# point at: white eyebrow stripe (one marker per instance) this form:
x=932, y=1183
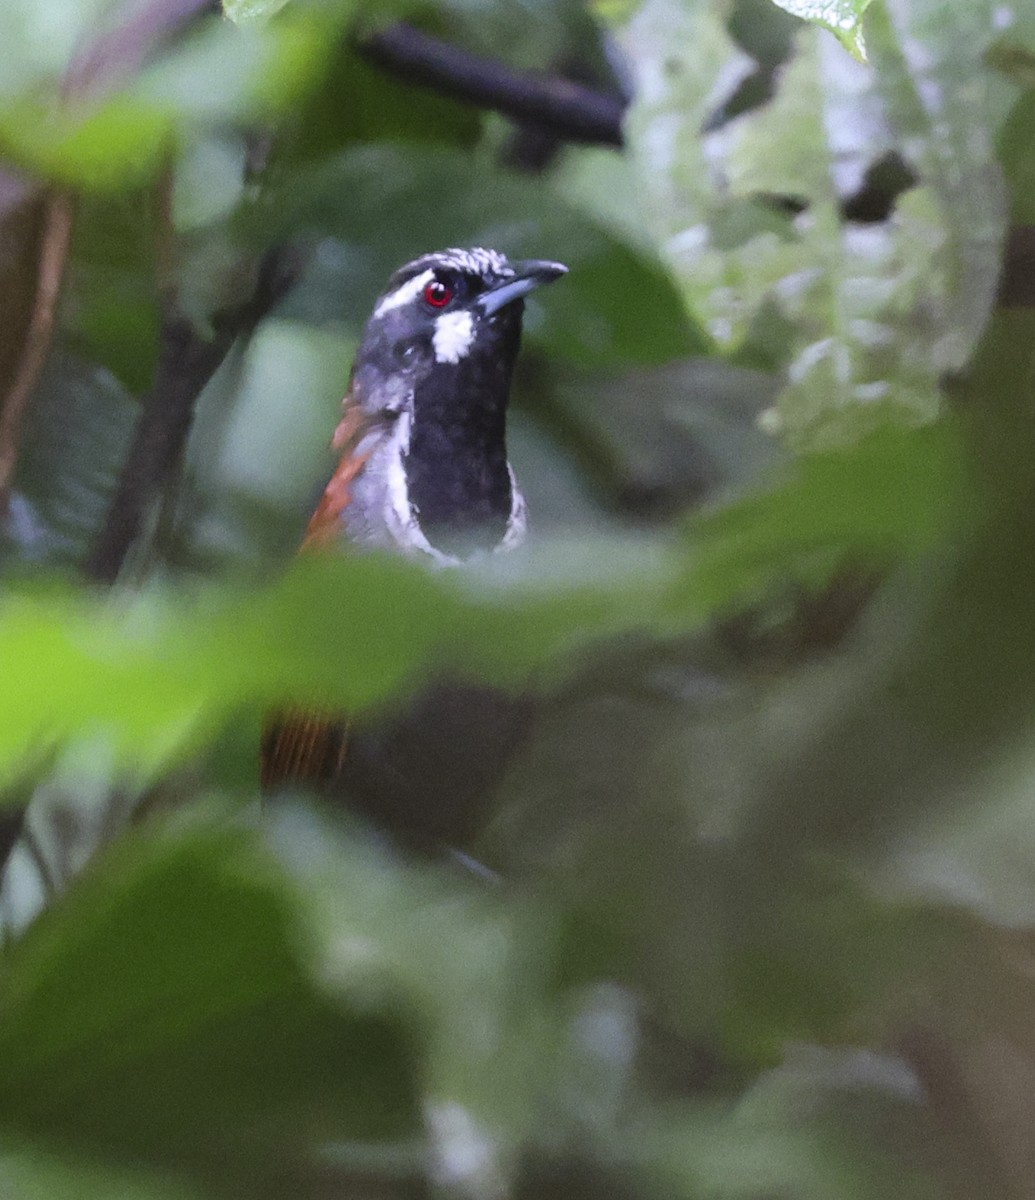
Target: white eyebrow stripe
x=406, y=292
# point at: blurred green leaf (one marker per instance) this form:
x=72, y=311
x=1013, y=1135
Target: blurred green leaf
x=349, y=632
x=38, y=38
x=77, y=432
x=663, y=437
x=894, y=494
x=112, y=290
x=216, y=74
x=221, y=72
x=477, y=969
x=120, y=144
x=1017, y=158
x=782, y=1138
x=32, y=1175
x=259, y=454
x=354, y=101
x=165, y=1012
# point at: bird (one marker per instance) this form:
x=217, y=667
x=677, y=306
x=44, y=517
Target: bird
x=423, y=469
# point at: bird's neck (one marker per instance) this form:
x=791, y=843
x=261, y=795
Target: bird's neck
x=456, y=467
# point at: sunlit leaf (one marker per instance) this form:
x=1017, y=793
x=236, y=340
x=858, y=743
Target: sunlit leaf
x=242, y=11
x=842, y=17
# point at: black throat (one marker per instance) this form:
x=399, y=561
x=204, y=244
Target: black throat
x=456, y=469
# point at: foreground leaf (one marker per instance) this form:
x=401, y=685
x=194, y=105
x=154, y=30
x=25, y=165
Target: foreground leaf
x=164, y=1012
x=158, y=673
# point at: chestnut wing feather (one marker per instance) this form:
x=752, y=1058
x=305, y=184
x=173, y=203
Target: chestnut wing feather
x=325, y=525
x=298, y=745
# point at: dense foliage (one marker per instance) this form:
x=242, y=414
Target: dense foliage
x=749, y=915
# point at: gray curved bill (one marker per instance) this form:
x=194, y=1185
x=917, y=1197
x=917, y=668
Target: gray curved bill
x=528, y=275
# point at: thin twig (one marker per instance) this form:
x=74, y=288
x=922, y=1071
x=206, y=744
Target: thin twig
x=54, y=246
x=117, y=54
x=572, y=111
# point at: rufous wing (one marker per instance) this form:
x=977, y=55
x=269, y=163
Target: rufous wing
x=325, y=525
x=300, y=746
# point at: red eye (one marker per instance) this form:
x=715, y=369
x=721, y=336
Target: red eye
x=437, y=294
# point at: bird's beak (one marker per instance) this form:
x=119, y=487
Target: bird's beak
x=528, y=275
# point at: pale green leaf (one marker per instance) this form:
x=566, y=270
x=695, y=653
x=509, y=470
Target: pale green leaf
x=842, y=17
x=866, y=318
x=242, y=11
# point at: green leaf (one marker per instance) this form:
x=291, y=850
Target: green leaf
x=842, y=17
x=242, y=11
x=32, y=1174
x=159, y=673
x=120, y=144
x=254, y=462
x=869, y=317
x=477, y=969
x=355, y=101
x=892, y=495
x=165, y=1012
x=218, y=74
x=1018, y=160
x=111, y=294
x=77, y=433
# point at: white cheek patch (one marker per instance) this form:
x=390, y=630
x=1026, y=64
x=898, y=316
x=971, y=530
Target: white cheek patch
x=454, y=333
x=406, y=292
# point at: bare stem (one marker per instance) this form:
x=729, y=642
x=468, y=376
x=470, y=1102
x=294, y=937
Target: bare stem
x=54, y=246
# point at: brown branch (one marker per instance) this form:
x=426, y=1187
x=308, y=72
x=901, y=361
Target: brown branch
x=570, y=110
x=54, y=247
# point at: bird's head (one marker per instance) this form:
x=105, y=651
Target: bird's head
x=448, y=310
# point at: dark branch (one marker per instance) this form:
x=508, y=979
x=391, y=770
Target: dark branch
x=1017, y=283
x=12, y=821
x=572, y=111
x=186, y=362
